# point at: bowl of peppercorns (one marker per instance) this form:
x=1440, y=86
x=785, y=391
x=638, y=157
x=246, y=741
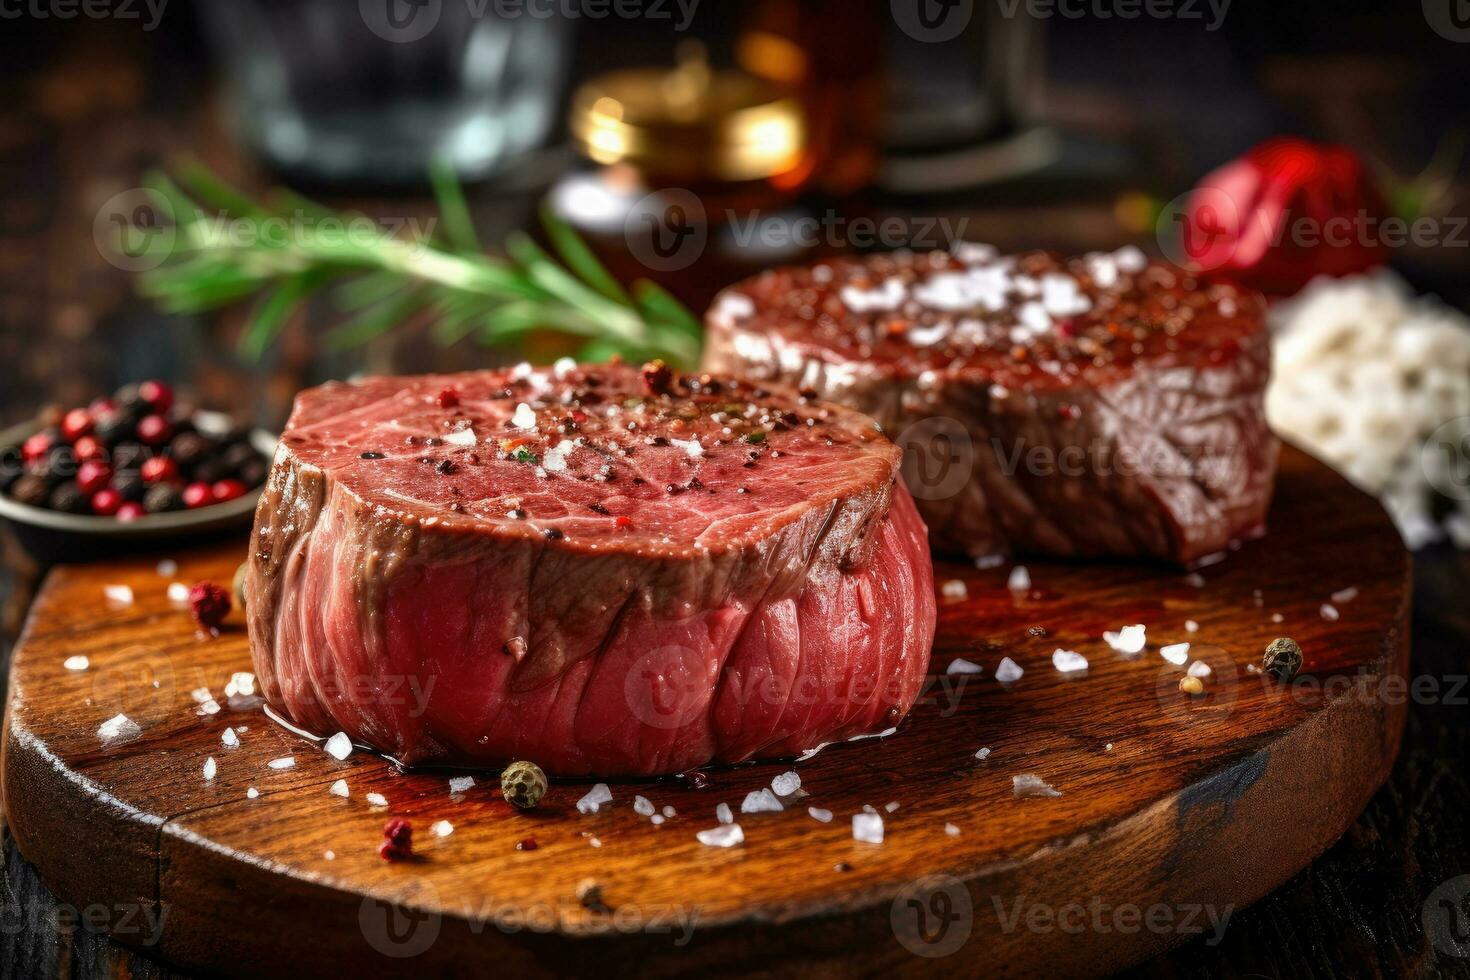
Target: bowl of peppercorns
x=128, y=470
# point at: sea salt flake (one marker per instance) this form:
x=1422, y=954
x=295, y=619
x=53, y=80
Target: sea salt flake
x=524, y=417
x=118, y=728
x=464, y=438
x=761, y=801
x=819, y=815
x=1009, y=671
x=1277, y=618
x=339, y=746
x=210, y=768
x=461, y=784
x=989, y=561
x=867, y=827
x=891, y=806
x=643, y=806
x=1199, y=669
x=691, y=447
x=657, y=819
x=595, y=841
x=1190, y=626
x=960, y=665
x=441, y=828
x=1020, y=579
x=786, y=784
x=1028, y=784
x=376, y=799
x=594, y=799
x=725, y=835
x=1068, y=661
x=330, y=855
x=1128, y=640
x=955, y=590
x=178, y=593
x=951, y=830
x=240, y=682
x=339, y=788
x=669, y=812
x=563, y=367
x=285, y=762
x=251, y=793
x=1175, y=653
x=1330, y=613
x=76, y=663
x=983, y=754
x=723, y=814
x=229, y=739
x=120, y=595
x=167, y=568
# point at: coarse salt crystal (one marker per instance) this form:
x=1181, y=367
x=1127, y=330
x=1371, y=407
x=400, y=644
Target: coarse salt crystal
x=464, y=438
x=441, y=828
x=339, y=746
x=210, y=707
x=121, y=595
x=1175, y=653
x=76, y=663
x=891, y=806
x=723, y=814
x=210, y=768
x=1199, y=669
x=691, y=447
x=178, y=593
x=983, y=753
x=1277, y=618
x=240, y=682
x=955, y=590
x=1020, y=579
x=1068, y=661
x=1009, y=671
x=524, y=417
x=251, y=793
x=167, y=568
x=1330, y=613
x=959, y=665
x=1028, y=784
x=1190, y=626
x=376, y=799
x=819, y=815
x=990, y=561
x=786, y=784
x=657, y=819
x=594, y=799
x=643, y=806
x=669, y=812
x=339, y=788
x=867, y=827
x=461, y=784
x=594, y=841
x=563, y=367
x=1108, y=747
x=725, y=835
x=951, y=830
x=761, y=801
x=285, y=762
x=118, y=728
x=330, y=855
x=229, y=739
x=1128, y=640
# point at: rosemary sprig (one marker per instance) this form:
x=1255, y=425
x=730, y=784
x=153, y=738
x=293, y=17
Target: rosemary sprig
x=223, y=248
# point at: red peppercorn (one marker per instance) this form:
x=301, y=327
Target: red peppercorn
x=656, y=377
x=101, y=407
x=75, y=424
x=210, y=605
x=159, y=396
x=227, y=490
x=397, y=840
x=130, y=511
x=88, y=447
x=106, y=502
x=623, y=522
x=198, y=495
x=93, y=475
x=448, y=398
x=154, y=429
x=35, y=447
x=527, y=844
x=160, y=469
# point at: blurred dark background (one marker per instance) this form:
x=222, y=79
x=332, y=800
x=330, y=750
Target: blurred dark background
x=1077, y=126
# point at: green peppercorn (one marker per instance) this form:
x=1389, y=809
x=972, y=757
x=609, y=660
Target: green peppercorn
x=1283, y=658
x=523, y=784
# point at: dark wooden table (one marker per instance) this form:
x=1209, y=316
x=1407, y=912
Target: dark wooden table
x=92, y=106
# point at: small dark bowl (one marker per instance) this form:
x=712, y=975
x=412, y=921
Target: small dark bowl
x=52, y=537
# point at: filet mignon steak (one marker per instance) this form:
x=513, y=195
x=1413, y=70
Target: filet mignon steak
x=1103, y=405
x=601, y=570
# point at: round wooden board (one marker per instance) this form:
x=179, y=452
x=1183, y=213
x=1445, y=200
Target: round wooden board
x=1175, y=810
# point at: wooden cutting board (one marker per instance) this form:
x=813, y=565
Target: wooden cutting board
x=1175, y=810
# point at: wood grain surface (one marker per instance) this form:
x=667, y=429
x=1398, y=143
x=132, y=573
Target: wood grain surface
x=1200, y=806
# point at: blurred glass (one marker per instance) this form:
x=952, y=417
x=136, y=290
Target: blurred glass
x=368, y=92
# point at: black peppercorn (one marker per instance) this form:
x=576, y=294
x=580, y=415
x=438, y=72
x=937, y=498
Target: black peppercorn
x=129, y=455
x=523, y=784
x=1283, y=658
x=189, y=448
x=69, y=499
x=130, y=404
x=112, y=429
x=129, y=484
x=163, y=497
x=30, y=489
